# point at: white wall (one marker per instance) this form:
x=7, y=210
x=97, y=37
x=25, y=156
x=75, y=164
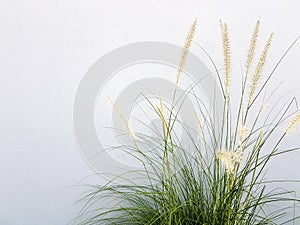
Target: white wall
x=46, y=46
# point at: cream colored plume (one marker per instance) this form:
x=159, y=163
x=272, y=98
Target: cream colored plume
x=227, y=57
x=259, y=67
x=251, y=51
x=122, y=117
x=293, y=123
x=185, y=52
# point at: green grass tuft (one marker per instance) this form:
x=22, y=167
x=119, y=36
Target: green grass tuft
x=218, y=178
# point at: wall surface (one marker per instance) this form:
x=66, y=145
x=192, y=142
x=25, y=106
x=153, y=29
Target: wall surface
x=46, y=46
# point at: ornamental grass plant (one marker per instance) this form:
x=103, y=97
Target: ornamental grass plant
x=219, y=178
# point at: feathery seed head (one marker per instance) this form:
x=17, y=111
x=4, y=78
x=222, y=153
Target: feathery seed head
x=122, y=117
x=185, y=52
x=293, y=123
x=227, y=158
x=242, y=131
x=227, y=57
x=251, y=51
x=238, y=155
x=259, y=67
x=231, y=159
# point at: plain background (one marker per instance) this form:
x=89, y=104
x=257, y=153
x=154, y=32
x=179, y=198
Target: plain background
x=46, y=46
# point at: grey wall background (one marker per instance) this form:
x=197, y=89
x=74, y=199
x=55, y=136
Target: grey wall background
x=47, y=46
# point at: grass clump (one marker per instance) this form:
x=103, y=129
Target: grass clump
x=219, y=177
